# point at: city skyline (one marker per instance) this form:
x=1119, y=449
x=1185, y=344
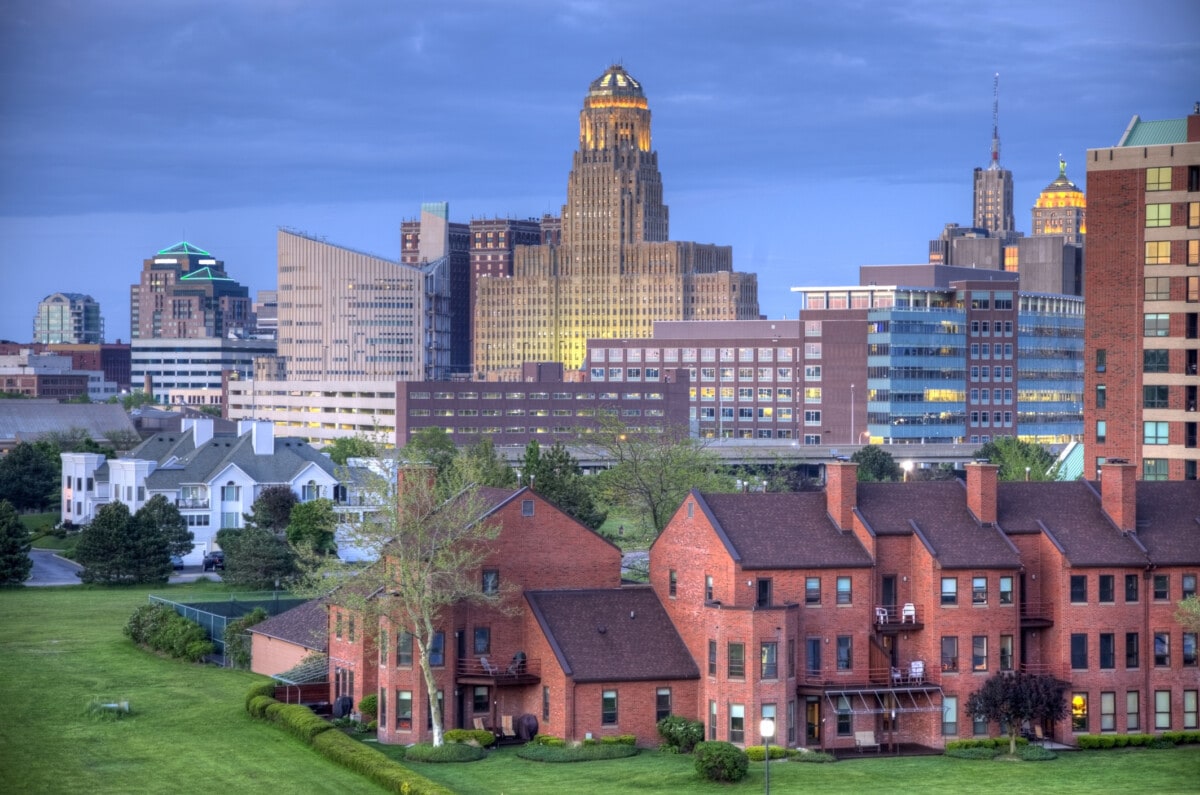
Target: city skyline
x=855, y=137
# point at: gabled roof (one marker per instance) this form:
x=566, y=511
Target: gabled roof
x=1071, y=516
x=29, y=420
x=937, y=513
x=184, y=247
x=306, y=625
x=202, y=464
x=781, y=531
x=612, y=635
x=205, y=274
x=1168, y=521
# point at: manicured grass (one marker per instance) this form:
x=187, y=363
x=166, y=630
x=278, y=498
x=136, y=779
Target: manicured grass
x=1168, y=771
x=188, y=731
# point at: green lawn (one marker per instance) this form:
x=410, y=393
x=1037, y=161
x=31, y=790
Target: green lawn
x=60, y=647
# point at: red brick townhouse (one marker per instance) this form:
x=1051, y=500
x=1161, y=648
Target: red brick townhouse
x=880, y=607
x=571, y=647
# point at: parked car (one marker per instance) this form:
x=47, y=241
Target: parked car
x=176, y=562
x=214, y=561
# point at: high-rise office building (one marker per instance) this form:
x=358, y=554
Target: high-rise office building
x=615, y=270
x=1142, y=338
x=185, y=293
x=994, y=187
x=71, y=318
x=1061, y=209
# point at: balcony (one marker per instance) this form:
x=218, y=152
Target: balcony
x=912, y=674
x=194, y=503
x=485, y=670
x=894, y=619
x=1037, y=615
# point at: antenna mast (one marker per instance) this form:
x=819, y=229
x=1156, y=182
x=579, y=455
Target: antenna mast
x=995, y=164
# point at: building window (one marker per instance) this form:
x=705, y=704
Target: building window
x=708, y=581
x=1107, y=589
x=763, y=598
x=949, y=654
x=527, y=507
x=608, y=708
x=1155, y=397
x=1132, y=650
x=1158, y=178
x=979, y=653
x=1189, y=709
x=1158, y=215
x=712, y=658
x=1101, y=360
x=480, y=700
x=672, y=583
x=231, y=493
x=1101, y=396
x=845, y=652
x=1189, y=649
x=384, y=649
x=1162, y=587
x=791, y=722
x=1079, y=651
x=1101, y=431
x=769, y=661
x=545, y=704
x=1189, y=585
x=979, y=590
x=1155, y=360
x=1158, y=252
x=950, y=716
x=843, y=591
x=1162, y=649
x=949, y=591
x=1154, y=469
x=814, y=656
x=1079, y=712
x=337, y=626
x=1006, y=590
x=437, y=650
x=1108, y=650
x=1162, y=709
x=1006, y=652
x=662, y=703
x=404, y=709
x=1108, y=712
x=1133, y=710
x=737, y=723
x=1158, y=288
x=1156, y=324
x=1154, y=432
x=1131, y=588
x=736, y=653
x=712, y=720
x=812, y=591
x=1193, y=215
x=491, y=581
x=845, y=718
x=483, y=640
x=1078, y=588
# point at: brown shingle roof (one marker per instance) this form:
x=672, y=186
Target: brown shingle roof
x=782, y=531
x=612, y=635
x=306, y=625
x=1168, y=521
x=938, y=509
x=1071, y=515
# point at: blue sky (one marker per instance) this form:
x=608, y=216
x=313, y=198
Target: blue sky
x=813, y=137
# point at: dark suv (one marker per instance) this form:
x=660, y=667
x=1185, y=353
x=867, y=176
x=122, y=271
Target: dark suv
x=214, y=561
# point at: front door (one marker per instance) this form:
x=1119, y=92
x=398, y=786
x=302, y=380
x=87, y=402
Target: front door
x=812, y=720
x=888, y=593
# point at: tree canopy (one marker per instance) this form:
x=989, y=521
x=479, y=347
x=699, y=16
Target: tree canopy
x=15, y=563
x=123, y=548
x=162, y=515
x=1015, y=456
x=876, y=464
x=344, y=448
x=482, y=465
x=255, y=558
x=1011, y=698
x=29, y=477
x=555, y=474
x=431, y=446
x=1188, y=613
x=273, y=509
x=312, y=527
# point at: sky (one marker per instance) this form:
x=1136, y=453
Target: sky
x=813, y=137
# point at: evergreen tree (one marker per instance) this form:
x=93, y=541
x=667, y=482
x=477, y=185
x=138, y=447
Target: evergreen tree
x=101, y=547
x=255, y=558
x=273, y=509
x=556, y=476
x=15, y=563
x=1018, y=460
x=29, y=477
x=162, y=515
x=312, y=527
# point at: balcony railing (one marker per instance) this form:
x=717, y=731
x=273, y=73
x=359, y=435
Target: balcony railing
x=503, y=671
x=899, y=616
x=1035, y=613
x=913, y=673
x=192, y=502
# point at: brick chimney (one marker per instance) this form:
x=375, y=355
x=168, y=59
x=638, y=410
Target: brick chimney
x=981, y=490
x=841, y=492
x=1118, y=493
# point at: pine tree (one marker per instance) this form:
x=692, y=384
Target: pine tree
x=15, y=563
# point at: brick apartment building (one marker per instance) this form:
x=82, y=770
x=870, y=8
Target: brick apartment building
x=872, y=606
x=1143, y=336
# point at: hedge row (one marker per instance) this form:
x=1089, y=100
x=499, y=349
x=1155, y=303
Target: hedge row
x=546, y=752
x=984, y=742
x=448, y=752
x=301, y=722
x=757, y=752
x=1103, y=741
x=160, y=628
x=480, y=737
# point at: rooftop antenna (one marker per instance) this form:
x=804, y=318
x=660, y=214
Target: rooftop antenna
x=995, y=164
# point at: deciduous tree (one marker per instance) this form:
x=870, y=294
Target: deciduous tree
x=555, y=474
x=312, y=527
x=482, y=465
x=1019, y=460
x=1012, y=698
x=431, y=446
x=344, y=448
x=273, y=509
x=1188, y=613
x=102, y=544
x=15, y=563
x=876, y=464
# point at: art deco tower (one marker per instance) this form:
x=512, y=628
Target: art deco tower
x=1061, y=209
x=615, y=271
x=994, y=185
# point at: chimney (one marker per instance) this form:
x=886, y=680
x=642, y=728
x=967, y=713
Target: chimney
x=201, y=428
x=262, y=434
x=1118, y=493
x=981, y=490
x=841, y=492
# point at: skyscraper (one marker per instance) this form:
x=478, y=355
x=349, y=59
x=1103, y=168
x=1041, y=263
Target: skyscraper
x=68, y=318
x=1061, y=208
x=1140, y=396
x=185, y=293
x=615, y=271
x=994, y=185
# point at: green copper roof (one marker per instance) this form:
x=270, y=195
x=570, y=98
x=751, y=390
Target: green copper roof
x=204, y=274
x=185, y=248
x=1154, y=133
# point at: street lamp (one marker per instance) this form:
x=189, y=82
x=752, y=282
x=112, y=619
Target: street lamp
x=907, y=466
x=767, y=730
x=852, y=414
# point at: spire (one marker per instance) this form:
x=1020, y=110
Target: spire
x=995, y=164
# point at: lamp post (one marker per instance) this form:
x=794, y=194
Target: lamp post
x=907, y=466
x=852, y=414
x=767, y=730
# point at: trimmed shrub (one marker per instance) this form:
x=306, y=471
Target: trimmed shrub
x=450, y=752
x=480, y=737
x=977, y=752
x=537, y=752
x=1159, y=743
x=1121, y=740
x=271, y=713
x=1140, y=740
x=679, y=734
x=301, y=722
x=548, y=739
x=757, y=752
x=353, y=755
x=619, y=739
x=721, y=761
x=261, y=689
x=369, y=706
x=1036, y=753
x=258, y=706
x=985, y=742
x=818, y=757
x=162, y=629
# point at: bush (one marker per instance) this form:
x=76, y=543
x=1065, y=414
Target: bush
x=585, y=752
x=971, y=753
x=548, y=739
x=1159, y=743
x=450, y=752
x=369, y=706
x=367, y=761
x=1036, y=753
x=721, y=761
x=237, y=640
x=679, y=734
x=812, y=756
x=480, y=737
x=985, y=742
x=257, y=707
x=1121, y=740
x=757, y=753
x=162, y=629
x=619, y=739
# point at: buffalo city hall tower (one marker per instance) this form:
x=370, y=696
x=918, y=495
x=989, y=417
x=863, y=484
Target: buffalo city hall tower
x=615, y=271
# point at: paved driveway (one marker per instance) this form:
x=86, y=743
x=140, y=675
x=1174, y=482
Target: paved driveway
x=49, y=569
